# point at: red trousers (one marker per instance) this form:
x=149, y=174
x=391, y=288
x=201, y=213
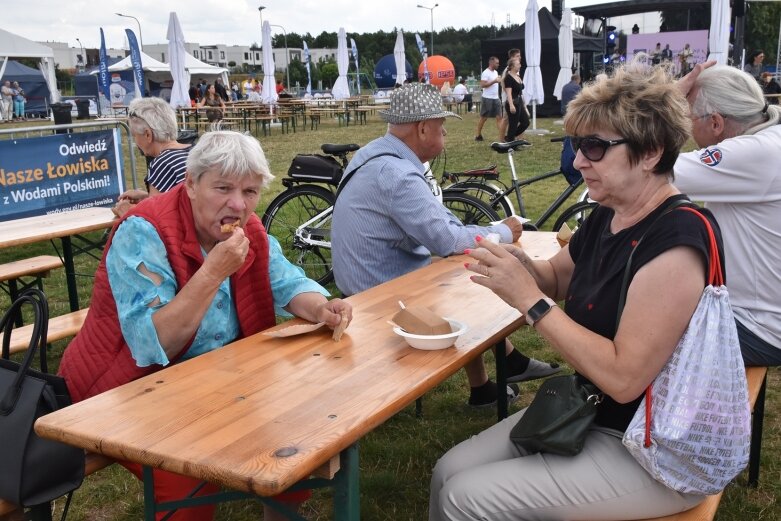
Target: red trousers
x=171, y=487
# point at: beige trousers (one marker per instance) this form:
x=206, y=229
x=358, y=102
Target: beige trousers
x=487, y=478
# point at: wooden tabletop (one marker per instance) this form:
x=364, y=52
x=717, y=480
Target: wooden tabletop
x=54, y=226
x=262, y=413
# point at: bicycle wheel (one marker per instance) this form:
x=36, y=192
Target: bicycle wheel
x=487, y=193
x=300, y=219
x=469, y=210
x=574, y=215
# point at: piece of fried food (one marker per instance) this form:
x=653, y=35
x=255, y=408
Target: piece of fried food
x=229, y=227
x=339, y=329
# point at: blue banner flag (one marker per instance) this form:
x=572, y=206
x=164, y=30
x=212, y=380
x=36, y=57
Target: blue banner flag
x=307, y=59
x=424, y=53
x=135, y=59
x=103, y=77
x=354, y=49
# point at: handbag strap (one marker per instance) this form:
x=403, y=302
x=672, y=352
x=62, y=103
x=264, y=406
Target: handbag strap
x=715, y=277
x=37, y=299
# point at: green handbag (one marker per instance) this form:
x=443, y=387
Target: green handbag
x=558, y=418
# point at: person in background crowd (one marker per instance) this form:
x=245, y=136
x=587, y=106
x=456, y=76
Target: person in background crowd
x=193, y=93
x=569, y=91
x=7, y=96
x=212, y=100
x=490, y=106
x=462, y=94
x=770, y=86
x=153, y=127
x=19, y=101
x=656, y=55
x=219, y=88
x=254, y=94
x=514, y=106
x=754, y=64
x=280, y=86
x=737, y=174
x=246, y=87
x=235, y=95
x=512, y=53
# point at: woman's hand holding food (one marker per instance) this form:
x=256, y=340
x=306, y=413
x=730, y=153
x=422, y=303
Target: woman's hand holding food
x=501, y=270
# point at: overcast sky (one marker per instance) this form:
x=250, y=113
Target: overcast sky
x=237, y=22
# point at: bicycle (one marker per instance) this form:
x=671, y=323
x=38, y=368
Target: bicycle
x=484, y=184
x=300, y=216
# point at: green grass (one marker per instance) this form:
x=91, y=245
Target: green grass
x=397, y=457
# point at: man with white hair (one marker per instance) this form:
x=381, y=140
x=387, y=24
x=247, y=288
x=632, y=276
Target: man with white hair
x=737, y=173
x=387, y=222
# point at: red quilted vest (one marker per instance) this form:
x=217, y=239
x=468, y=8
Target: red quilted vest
x=98, y=359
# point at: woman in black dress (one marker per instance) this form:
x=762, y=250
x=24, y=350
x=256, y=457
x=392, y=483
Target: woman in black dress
x=517, y=115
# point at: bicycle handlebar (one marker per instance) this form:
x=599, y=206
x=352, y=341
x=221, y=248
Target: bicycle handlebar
x=558, y=139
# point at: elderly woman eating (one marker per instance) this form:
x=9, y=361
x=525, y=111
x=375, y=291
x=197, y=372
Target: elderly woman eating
x=185, y=273
x=153, y=127
x=627, y=131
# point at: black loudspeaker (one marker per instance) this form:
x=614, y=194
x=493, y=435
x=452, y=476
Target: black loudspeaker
x=738, y=7
x=556, y=9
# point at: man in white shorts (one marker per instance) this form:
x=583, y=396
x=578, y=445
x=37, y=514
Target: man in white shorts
x=490, y=107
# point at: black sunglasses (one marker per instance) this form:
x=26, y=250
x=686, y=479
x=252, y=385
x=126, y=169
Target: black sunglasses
x=594, y=148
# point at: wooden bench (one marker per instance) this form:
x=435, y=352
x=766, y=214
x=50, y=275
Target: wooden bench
x=60, y=327
x=37, y=267
x=92, y=463
x=706, y=511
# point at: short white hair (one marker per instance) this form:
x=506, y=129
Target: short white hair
x=153, y=114
x=229, y=153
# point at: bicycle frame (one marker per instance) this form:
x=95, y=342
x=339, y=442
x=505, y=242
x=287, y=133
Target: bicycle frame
x=305, y=231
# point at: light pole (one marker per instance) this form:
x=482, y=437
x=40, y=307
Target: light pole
x=287, y=54
x=431, y=10
x=260, y=10
x=83, y=58
x=140, y=38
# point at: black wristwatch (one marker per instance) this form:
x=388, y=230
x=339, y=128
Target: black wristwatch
x=539, y=310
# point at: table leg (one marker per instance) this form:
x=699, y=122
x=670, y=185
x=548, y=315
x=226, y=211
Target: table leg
x=70, y=273
x=149, y=494
x=501, y=379
x=347, y=500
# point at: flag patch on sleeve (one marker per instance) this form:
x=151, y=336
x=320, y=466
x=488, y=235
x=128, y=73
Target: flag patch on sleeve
x=711, y=156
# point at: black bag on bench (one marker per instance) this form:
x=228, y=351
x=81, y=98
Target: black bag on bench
x=32, y=470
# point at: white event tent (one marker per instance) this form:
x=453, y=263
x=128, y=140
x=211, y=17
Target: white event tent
x=158, y=71
x=15, y=46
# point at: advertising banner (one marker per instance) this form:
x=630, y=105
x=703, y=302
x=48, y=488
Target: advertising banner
x=103, y=75
x=58, y=173
x=135, y=59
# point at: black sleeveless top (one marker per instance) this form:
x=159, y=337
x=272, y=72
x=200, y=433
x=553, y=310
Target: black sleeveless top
x=600, y=258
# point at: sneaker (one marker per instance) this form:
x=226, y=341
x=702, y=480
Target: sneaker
x=478, y=138
x=535, y=370
x=513, y=393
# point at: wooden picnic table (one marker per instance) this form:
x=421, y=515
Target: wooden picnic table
x=261, y=414
x=63, y=226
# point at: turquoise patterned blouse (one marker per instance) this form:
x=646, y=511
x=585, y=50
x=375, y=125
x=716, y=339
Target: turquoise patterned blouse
x=135, y=242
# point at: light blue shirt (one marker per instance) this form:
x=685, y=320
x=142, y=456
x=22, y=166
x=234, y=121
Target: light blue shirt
x=387, y=222
x=136, y=242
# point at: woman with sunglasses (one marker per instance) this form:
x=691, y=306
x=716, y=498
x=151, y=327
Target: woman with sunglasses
x=627, y=131
x=153, y=126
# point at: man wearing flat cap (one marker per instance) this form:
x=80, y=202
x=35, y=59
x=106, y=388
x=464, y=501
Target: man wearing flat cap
x=387, y=222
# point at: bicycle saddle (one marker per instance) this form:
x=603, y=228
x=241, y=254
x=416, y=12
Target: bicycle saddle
x=330, y=148
x=503, y=148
